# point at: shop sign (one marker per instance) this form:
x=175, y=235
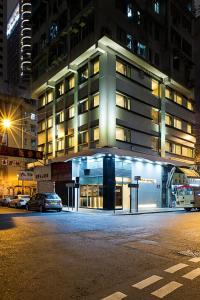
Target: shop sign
x=133, y=185
x=26, y=175
x=43, y=173
x=61, y=171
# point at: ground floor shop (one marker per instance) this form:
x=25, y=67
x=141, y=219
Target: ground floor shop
x=103, y=181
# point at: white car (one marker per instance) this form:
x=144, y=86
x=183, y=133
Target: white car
x=19, y=201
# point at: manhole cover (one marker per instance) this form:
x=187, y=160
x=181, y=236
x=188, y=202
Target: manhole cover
x=190, y=253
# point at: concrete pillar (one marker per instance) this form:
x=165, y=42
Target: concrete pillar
x=107, y=106
x=108, y=182
x=162, y=120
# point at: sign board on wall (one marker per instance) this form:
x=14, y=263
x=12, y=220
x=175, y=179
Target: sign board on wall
x=26, y=175
x=43, y=173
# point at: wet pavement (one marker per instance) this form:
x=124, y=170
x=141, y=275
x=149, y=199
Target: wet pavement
x=99, y=256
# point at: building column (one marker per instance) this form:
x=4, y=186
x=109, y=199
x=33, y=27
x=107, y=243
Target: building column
x=162, y=121
x=108, y=182
x=107, y=105
x=75, y=111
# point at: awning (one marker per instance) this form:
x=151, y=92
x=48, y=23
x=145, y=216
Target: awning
x=190, y=173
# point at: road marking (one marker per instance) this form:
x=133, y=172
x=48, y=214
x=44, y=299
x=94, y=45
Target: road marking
x=116, y=296
x=166, y=289
x=176, y=268
x=193, y=274
x=195, y=259
x=146, y=282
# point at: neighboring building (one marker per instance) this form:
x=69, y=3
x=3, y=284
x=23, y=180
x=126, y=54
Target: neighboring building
x=115, y=90
x=19, y=49
x=3, y=44
x=22, y=134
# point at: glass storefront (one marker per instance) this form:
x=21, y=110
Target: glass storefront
x=91, y=196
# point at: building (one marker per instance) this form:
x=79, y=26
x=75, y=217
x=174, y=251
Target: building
x=3, y=45
x=17, y=130
x=114, y=83
x=19, y=49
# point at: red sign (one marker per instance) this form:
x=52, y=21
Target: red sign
x=61, y=171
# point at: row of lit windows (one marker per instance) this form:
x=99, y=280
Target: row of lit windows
x=83, y=138
x=179, y=149
x=170, y=94
x=177, y=123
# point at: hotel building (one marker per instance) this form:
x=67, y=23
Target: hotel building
x=114, y=87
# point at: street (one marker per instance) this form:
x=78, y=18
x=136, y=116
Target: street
x=99, y=256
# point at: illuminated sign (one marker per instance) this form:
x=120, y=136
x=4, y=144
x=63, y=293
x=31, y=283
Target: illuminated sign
x=13, y=21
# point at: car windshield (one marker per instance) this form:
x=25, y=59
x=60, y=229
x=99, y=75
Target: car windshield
x=52, y=196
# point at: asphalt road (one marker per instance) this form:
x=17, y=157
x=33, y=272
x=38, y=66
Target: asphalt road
x=96, y=256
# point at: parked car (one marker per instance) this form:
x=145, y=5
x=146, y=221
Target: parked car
x=44, y=201
x=19, y=201
x=6, y=200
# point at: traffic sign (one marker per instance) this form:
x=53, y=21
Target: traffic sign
x=133, y=185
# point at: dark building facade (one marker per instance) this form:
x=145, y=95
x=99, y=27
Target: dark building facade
x=114, y=83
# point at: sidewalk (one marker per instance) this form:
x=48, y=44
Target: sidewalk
x=120, y=212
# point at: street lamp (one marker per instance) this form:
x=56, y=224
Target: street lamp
x=6, y=123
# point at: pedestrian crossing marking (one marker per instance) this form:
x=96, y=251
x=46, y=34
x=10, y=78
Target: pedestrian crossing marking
x=176, y=268
x=166, y=289
x=193, y=274
x=116, y=296
x=195, y=259
x=146, y=282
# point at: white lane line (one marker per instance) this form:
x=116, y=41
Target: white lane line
x=166, y=289
x=176, y=268
x=193, y=274
x=116, y=296
x=146, y=282
x=195, y=259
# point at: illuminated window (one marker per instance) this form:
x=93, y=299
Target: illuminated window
x=60, y=117
x=49, y=122
x=167, y=93
x=168, y=120
x=83, y=137
x=178, y=99
x=50, y=148
x=60, y=145
x=176, y=149
x=190, y=105
x=129, y=41
x=123, y=68
x=155, y=87
x=70, y=141
x=188, y=152
x=95, y=101
x=96, y=134
x=177, y=123
x=70, y=82
x=83, y=74
x=41, y=126
x=155, y=115
x=141, y=49
x=42, y=101
x=189, y=128
x=155, y=143
x=156, y=6
x=83, y=106
x=129, y=10
x=49, y=97
x=123, y=101
x=168, y=147
x=60, y=89
x=123, y=134
x=33, y=116
x=96, y=66
x=70, y=112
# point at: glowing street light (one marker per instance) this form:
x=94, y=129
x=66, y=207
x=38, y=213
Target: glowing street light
x=6, y=123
